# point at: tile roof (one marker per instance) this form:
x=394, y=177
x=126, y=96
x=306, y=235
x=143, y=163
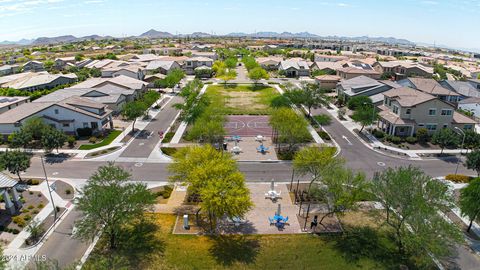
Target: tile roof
x=459, y=118
x=431, y=86
x=408, y=97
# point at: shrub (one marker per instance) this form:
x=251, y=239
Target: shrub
x=92, y=139
x=33, y=182
x=459, y=178
x=40, y=205
x=30, y=207
x=14, y=231
x=71, y=141
x=68, y=191
x=396, y=139
x=167, y=191
x=19, y=221
x=422, y=135
x=35, y=211
x=324, y=135
x=341, y=113
x=358, y=102
x=378, y=134
x=84, y=132
x=27, y=217
x=323, y=119
x=411, y=140
x=169, y=151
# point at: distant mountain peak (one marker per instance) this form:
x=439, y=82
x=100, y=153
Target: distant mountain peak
x=152, y=33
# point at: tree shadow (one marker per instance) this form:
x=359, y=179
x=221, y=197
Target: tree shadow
x=139, y=241
x=229, y=249
x=53, y=158
x=364, y=242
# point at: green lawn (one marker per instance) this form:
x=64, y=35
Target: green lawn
x=242, y=99
x=157, y=248
x=111, y=136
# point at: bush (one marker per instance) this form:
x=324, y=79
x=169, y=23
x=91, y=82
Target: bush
x=68, y=191
x=378, y=134
x=358, y=102
x=411, y=140
x=40, y=205
x=324, y=135
x=422, y=135
x=33, y=182
x=27, y=217
x=323, y=119
x=14, y=231
x=30, y=207
x=84, y=132
x=341, y=113
x=167, y=191
x=35, y=211
x=71, y=141
x=19, y=221
x=92, y=139
x=459, y=178
x=169, y=151
x=396, y=139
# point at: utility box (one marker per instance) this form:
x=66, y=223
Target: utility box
x=185, y=222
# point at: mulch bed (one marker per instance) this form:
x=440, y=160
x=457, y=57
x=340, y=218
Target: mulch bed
x=61, y=189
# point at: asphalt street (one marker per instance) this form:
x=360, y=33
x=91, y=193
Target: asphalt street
x=143, y=144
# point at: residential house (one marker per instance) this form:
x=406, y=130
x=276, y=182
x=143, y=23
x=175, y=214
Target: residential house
x=329, y=58
x=144, y=58
x=202, y=48
x=195, y=62
x=118, y=68
x=295, y=67
x=162, y=67
x=471, y=104
x=403, y=69
x=269, y=63
x=122, y=81
x=65, y=62
x=351, y=72
x=114, y=97
x=67, y=115
x=150, y=79
x=211, y=55
x=33, y=66
x=327, y=82
x=432, y=87
x=475, y=74
x=9, y=69
x=8, y=103
x=327, y=67
x=465, y=88
x=475, y=83
x=364, y=86
x=30, y=81
x=405, y=110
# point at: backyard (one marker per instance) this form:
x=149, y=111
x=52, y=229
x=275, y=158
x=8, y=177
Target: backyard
x=155, y=247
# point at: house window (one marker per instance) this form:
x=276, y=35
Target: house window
x=447, y=112
x=389, y=102
x=395, y=109
x=468, y=126
x=431, y=127
x=409, y=111
x=85, y=124
x=386, y=101
x=65, y=124
x=56, y=111
x=432, y=112
x=445, y=126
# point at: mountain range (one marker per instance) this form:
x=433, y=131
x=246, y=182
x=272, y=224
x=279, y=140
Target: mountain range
x=159, y=34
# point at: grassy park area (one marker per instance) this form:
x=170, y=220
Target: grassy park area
x=106, y=141
x=242, y=99
x=155, y=247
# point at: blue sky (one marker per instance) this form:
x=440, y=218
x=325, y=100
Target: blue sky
x=450, y=22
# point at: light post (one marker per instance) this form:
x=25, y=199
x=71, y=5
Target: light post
x=49, y=191
x=461, y=147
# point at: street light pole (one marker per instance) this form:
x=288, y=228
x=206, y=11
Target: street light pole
x=50, y=192
x=461, y=148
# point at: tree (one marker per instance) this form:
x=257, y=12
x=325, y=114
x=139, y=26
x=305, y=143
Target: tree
x=227, y=76
x=108, y=202
x=280, y=101
x=366, y=116
x=193, y=106
x=469, y=198
x=340, y=189
x=215, y=177
x=20, y=138
x=357, y=102
x=473, y=161
x=412, y=201
x=53, y=139
x=208, y=128
x=79, y=57
x=290, y=127
x=231, y=62
x=35, y=126
x=472, y=139
x=310, y=96
x=172, y=79
x=445, y=137
x=132, y=110
x=95, y=72
x=258, y=73
x=15, y=162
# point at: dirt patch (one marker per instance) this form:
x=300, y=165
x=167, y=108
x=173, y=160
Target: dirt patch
x=33, y=203
x=241, y=100
x=64, y=190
